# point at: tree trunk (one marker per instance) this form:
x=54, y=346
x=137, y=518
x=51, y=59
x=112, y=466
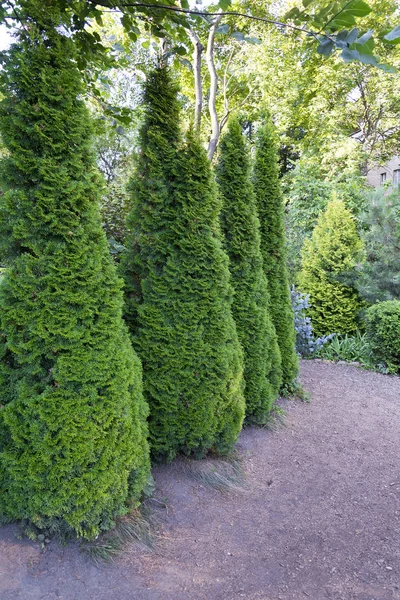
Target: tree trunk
x=215, y=128
x=197, y=52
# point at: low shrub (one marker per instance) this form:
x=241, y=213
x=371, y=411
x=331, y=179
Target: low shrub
x=383, y=333
x=349, y=348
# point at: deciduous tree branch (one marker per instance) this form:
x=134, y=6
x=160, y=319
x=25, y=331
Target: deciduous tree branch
x=200, y=13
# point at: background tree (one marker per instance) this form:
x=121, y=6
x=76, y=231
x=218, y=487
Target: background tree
x=270, y=210
x=178, y=291
x=377, y=278
x=330, y=254
x=300, y=87
x=72, y=423
x=241, y=228
x=307, y=192
x=114, y=149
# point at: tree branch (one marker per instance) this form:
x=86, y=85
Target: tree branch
x=335, y=16
x=232, y=13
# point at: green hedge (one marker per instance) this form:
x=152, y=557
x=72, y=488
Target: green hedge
x=383, y=332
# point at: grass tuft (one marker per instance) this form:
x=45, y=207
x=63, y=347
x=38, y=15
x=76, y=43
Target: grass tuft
x=103, y=550
x=138, y=528
x=224, y=475
x=276, y=419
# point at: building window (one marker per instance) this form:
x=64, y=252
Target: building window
x=383, y=177
x=396, y=177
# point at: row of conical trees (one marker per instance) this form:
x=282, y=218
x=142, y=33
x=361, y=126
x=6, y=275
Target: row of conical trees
x=206, y=296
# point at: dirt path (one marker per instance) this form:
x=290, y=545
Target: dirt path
x=319, y=518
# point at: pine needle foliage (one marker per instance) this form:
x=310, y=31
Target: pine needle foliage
x=72, y=417
x=331, y=253
x=377, y=277
x=241, y=228
x=383, y=334
x=271, y=215
x=178, y=289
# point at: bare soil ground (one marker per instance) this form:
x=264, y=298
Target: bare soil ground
x=318, y=518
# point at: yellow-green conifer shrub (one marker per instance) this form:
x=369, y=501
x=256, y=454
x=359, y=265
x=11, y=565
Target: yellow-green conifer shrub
x=273, y=247
x=73, y=445
x=251, y=312
x=331, y=252
x=178, y=291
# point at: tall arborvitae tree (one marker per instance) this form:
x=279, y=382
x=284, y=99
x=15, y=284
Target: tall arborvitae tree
x=73, y=443
x=328, y=257
x=241, y=229
x=178, y=289
x=271, y=213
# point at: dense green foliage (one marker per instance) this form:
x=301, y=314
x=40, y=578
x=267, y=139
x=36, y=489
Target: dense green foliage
x=270, y=210
x=114, y=157
x=349, y=348
x=72, y=417
x=378, y=276
x=331, y=253
x=307, y=191
x=328, y=23
x=241, y=228
x=178, y=289
x=383, y=332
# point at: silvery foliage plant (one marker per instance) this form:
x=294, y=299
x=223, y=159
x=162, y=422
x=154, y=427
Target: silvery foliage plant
x=306, y=343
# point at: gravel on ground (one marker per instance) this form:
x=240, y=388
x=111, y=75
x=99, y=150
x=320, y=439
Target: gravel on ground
x=317, y=517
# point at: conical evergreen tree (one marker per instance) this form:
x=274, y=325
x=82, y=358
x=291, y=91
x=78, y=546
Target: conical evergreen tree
x=271, y=213
x=250, y=308
x=178, y=289
x=331, y=252
x=73, y=443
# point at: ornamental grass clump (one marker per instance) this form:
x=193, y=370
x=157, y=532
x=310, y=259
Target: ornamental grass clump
x=271, y=214
x=241, y=228
x=73, y=429
x=178, y=293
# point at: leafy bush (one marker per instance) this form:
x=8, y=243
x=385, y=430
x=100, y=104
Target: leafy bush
x=383, y=333
x=331, y=252
x=306, y=343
